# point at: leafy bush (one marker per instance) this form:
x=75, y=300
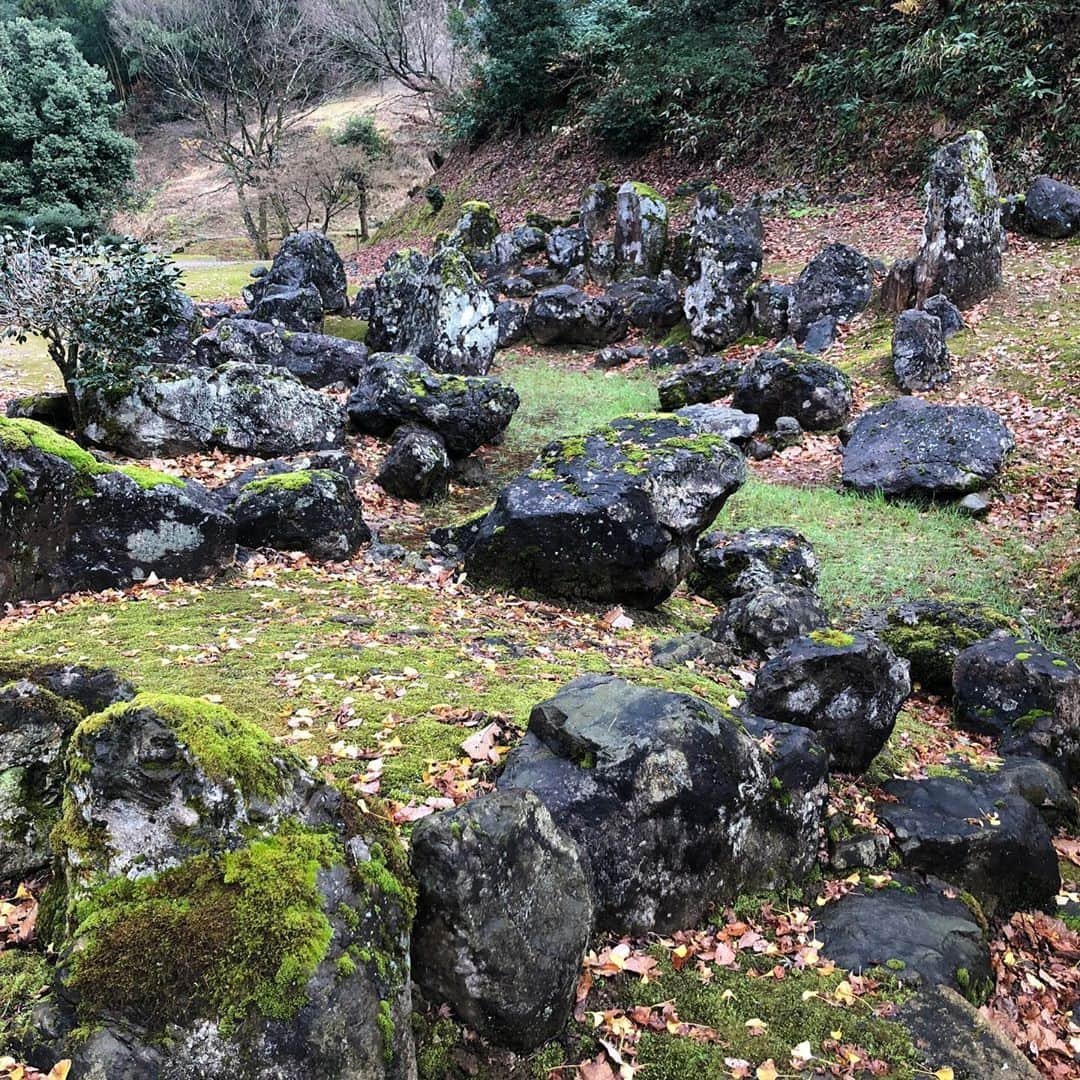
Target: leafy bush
x=59, y=150
x=101, y=308
x=360, y=132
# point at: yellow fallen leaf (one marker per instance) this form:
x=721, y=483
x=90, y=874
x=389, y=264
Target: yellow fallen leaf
x=767, y=1070
x=843, y=993
x=945, y=1073
x=838, y=1034
x=756, y=1026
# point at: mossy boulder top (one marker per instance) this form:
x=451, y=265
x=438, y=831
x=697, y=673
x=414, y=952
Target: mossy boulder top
x=238, y=407
x=611, y=515
x=465, y=411
x=70, y=522
x=641, y=229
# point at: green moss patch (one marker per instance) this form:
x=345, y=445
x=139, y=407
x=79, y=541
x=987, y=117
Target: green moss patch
x=25, y=978
x=290, y=481
x=230, y=938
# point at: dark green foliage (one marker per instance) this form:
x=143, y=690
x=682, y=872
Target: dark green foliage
x=360, y=132
x=59, y=150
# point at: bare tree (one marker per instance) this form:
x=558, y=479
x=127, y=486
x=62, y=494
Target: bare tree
x=317, y=185
x=249, y=71
x=410, y=41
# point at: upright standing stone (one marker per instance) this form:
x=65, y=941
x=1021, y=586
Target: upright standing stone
x=961, y=252
x=641, y=228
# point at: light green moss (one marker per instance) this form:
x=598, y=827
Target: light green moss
x=290, y=481
x=150, y=478
x=25, y=978
x=835, y=639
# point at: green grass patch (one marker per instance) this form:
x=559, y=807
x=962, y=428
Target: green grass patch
x=215, y=281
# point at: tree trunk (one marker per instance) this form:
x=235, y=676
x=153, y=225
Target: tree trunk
x=361, y=209
x=262, y=247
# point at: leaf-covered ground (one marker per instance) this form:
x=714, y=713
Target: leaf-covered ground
x=410, y=683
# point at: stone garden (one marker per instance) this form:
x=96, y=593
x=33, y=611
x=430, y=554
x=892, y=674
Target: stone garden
x=356, y=721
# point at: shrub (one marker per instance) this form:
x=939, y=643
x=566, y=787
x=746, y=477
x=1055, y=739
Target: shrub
x=360, y=132
x=59, y=150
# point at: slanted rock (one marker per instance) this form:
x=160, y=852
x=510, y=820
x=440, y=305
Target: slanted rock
x=313, y=511
x=35, y=725
x=466, y=411
x=624, y=768
x=567, y=247
x=727, y=565
x=395, y=294
x=774, y=384
x=280, y=936
x=898, y=288
x=597, y=209
x=651, y=303
x=952, y=321
x=417, y=466
x=996, y=847
x=1018, y=689
x=451, y=324
x=476, y=228
x=1052, y=209
x=509, y=249
x=719, y=420
x=641, y=228
x=701, y=381
x=317, y=360
x=612, y=515
x=931, y=635
x=239, y=408
x=307, y=278
x=69, y=522
x=846, y=687
x=837, y=282
x=567, y=316
x=761, y=623
x=962, y=237
x=910, y=447
x=920, y=357
x=512, y=320
x=503, y=918
x=921, y=934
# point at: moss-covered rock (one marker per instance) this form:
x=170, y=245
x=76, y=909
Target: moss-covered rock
x=25, y=978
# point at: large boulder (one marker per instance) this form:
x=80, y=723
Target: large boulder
x=567, y=316
x=962, y=236
x=719, y=420
x=837, y=282
x=306, y=267
x=724, y=262
x=69, y=522
x=503, y=918
x=920, y=357
x=451, y=323
x=512, y=320
x=1052, y=209
x=776, y=384
x=417, y=466
x=769, y=305
x=466, y=411
x=239, y=408
x=846, y=687
x=727, y=565
x=612, y=515
x=567, y=247
x=317, y=360
x=700, y=381
x=51, y=408
x=910, y=447
x=926, y=936
x=1029, y=695
x=995, y=846
x=337, y=461
x=670, y=802
x=509, y=249
x=597, y=208
x=315, y=511
x=394, y=295
x=651, y=303
x=761, y=623
x=641, y=229
x=931, y=634
x=35, y=725
x=276, y=913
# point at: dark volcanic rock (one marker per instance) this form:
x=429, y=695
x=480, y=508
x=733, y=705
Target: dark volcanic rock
x=952, y=321
x=838, y=281
x=612, y=515
x=317, y=360
x=961, y=252
x=846, y=687
x=760, y=623
x=910, y=447
x=701, y=381
x=776, y=384
x=503, y=919
x=307, y=278
x=316, y=512
x=69, y=522
x=53, y=410
x=394, y=294
x=719, y=420
x=910, y=923
x=769, y=304
x=512, y=319
x=337, y=461
x=417, y=466
x=625, y=769
x=650, y=303
x=727, y=565
x=920, y=357
x=1052, y=209
x=565, y=315
x=466, y=411
x=996, y=847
